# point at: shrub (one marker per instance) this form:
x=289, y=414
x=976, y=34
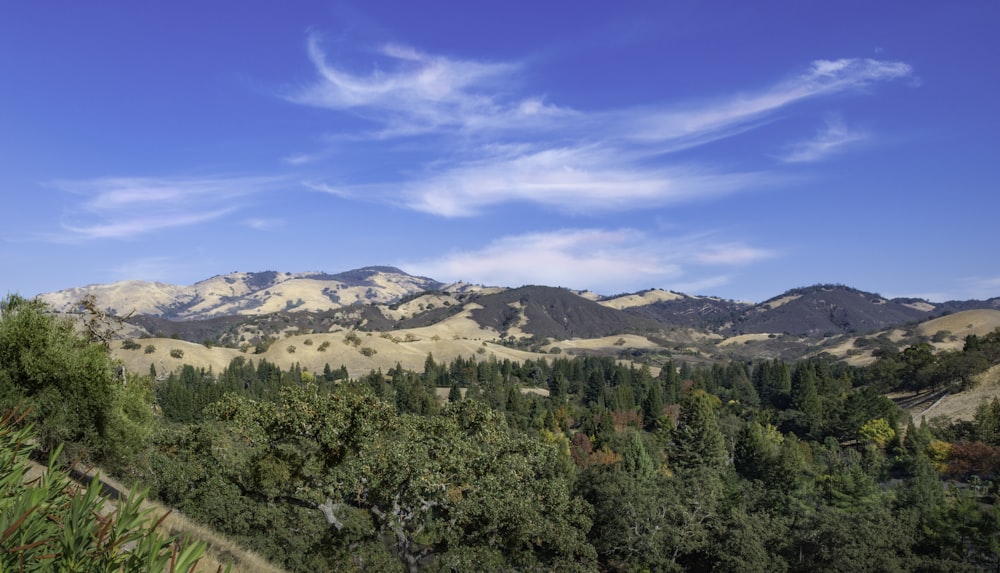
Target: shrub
x=352, y=339
x=291, y=349
x=150, y=349
x=130, y=345
x=308, y=342
x=51, y=524
x=176, y=353
x=367, y=351
x=323, y=346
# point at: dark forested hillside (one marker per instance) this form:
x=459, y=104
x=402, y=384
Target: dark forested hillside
x=810, y=311
x=555, y=312
x=829, y=309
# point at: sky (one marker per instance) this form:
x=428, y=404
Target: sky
x=733, y=149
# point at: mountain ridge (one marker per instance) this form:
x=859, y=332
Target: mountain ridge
x=380, y=298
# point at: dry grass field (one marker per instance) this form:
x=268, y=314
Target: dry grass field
x=456, y=336
x=962, y=406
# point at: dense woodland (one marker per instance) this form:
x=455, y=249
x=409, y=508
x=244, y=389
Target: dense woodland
x=750, y=466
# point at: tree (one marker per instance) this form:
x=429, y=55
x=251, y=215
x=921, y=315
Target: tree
x=68, y=382
x=460, y=489
x=805, y=398
x=698, y=441
x=454, y=394
x=755, y=454
x=654, y=522
x=594, y=390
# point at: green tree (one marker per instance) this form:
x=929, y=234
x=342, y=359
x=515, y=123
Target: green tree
x=756, y=451
x=454, y=394
x=697, y=439
x=459, y=489
x=68, y=382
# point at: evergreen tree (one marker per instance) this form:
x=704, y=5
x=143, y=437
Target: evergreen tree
x=636, y=459
x=594, y=391
x=805, y=398
x=698, y=441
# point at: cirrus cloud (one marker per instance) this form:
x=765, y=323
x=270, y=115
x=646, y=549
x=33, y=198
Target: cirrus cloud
x=606, y=261
x=127, y=207
x=523, y=149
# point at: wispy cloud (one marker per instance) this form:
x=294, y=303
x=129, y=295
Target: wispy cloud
x=732, y=254
x=700, y=123
x=607, y=261
x=418, y=92
x=524, y=149
x=122, y=208
x=578, y=180
x=263, y=224
x=832, y=139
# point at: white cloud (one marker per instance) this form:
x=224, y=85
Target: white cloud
x=701, y=123
x=420, y=92
x=121, y=207
x=732, y=254
x=133, y=226
x=832, y=139
x=527, y=150
x=579, y=180
x=263, y=224
x=605, y=261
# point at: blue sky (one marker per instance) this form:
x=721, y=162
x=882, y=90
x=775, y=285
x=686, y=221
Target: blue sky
x=734, y=149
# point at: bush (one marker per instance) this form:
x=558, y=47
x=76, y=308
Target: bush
x=323, y=346
x=176, y=353
x=130, y=345
x=290, y=349
x=150, y=349
x=52, y=524
x=367, y=351
x=352, y=339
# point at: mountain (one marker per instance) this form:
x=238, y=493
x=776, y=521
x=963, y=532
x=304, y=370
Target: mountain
x=242, y=293
x=252, y=309
x=548, y=312
x=681, y=310
x=814, y=311
x=822, y=310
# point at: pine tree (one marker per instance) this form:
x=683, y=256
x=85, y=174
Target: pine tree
x=698, y=441
x=454, y=395
x=636, y=459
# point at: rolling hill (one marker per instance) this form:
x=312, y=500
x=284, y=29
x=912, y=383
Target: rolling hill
x=256, y=312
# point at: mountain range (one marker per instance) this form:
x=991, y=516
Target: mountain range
x=546, y=312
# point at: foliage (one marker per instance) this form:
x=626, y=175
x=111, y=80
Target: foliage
x=50, y=524
x=456, y=489
x=67, y=382
x=745, y=466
